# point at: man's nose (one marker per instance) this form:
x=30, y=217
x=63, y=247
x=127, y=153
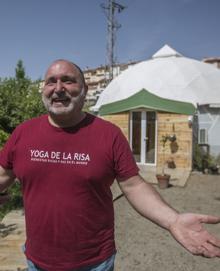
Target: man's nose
x=59, y=86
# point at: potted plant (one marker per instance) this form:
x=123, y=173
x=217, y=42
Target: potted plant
x=163, y=178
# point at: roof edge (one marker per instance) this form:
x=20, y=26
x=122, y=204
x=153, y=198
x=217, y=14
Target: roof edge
x=145, y=99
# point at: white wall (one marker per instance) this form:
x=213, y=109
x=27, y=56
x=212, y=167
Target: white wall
x=209, y=119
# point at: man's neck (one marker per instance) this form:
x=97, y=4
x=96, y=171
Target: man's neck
x=65, y=121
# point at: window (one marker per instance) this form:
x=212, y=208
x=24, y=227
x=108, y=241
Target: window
x=203, y=136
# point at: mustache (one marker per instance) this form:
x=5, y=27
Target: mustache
x=60, y=96
x=66, y=95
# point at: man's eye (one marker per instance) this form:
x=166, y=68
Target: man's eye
x=50, y=82
x=68, y=80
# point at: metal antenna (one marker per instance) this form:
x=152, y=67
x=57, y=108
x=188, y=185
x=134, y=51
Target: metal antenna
x=113, y=26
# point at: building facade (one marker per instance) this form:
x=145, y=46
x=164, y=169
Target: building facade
x=98, y=78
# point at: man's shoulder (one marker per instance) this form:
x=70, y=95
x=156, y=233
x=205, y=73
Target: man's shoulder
x=102, y=123
x=31, y=123
x=104, y=129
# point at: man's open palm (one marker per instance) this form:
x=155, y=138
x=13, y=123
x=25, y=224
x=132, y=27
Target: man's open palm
x=188, y=230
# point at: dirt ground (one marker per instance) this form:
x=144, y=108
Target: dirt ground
x=143, y=246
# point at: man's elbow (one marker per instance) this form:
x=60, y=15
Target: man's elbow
x=131, y=183
x=7, y=177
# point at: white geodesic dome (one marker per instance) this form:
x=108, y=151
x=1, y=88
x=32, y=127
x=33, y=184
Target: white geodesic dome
x=168, y=75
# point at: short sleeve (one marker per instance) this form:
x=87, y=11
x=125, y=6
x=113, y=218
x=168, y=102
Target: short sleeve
x=124, y=163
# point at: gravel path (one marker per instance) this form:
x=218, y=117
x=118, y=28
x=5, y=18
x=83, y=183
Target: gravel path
x=143, y=246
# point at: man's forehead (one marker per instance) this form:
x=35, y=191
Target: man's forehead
x=62, y=68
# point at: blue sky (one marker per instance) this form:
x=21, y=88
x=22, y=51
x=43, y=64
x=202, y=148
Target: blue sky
x=40, y=31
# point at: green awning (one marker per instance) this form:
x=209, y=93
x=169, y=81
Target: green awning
x=145, y=99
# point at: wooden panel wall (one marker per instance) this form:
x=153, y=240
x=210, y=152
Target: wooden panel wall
x=167, y=123
x=181, y=150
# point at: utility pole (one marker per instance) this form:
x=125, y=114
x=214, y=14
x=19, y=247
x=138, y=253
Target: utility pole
x=113, y=26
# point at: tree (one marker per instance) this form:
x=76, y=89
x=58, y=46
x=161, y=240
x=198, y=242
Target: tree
x=20, y=71
x=20, y=100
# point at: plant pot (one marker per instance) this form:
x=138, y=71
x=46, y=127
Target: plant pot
x=163, y=180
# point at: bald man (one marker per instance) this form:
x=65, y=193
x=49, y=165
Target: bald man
x=66, y=162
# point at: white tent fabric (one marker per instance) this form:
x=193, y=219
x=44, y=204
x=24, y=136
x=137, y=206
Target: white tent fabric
x=168, y=75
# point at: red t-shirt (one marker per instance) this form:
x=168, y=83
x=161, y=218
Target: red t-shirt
x=66, y=176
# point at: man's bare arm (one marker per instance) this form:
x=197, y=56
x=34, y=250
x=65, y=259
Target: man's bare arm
x=148, y=202
x=7, y=177
x=187, y=229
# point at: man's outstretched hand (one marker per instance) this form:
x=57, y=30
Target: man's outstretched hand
x=188, y=230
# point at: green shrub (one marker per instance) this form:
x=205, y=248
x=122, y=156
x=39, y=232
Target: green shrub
x=218, y=160
x=20, y=100
x=197, y=158
x=203, y=160
x=3, y=137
